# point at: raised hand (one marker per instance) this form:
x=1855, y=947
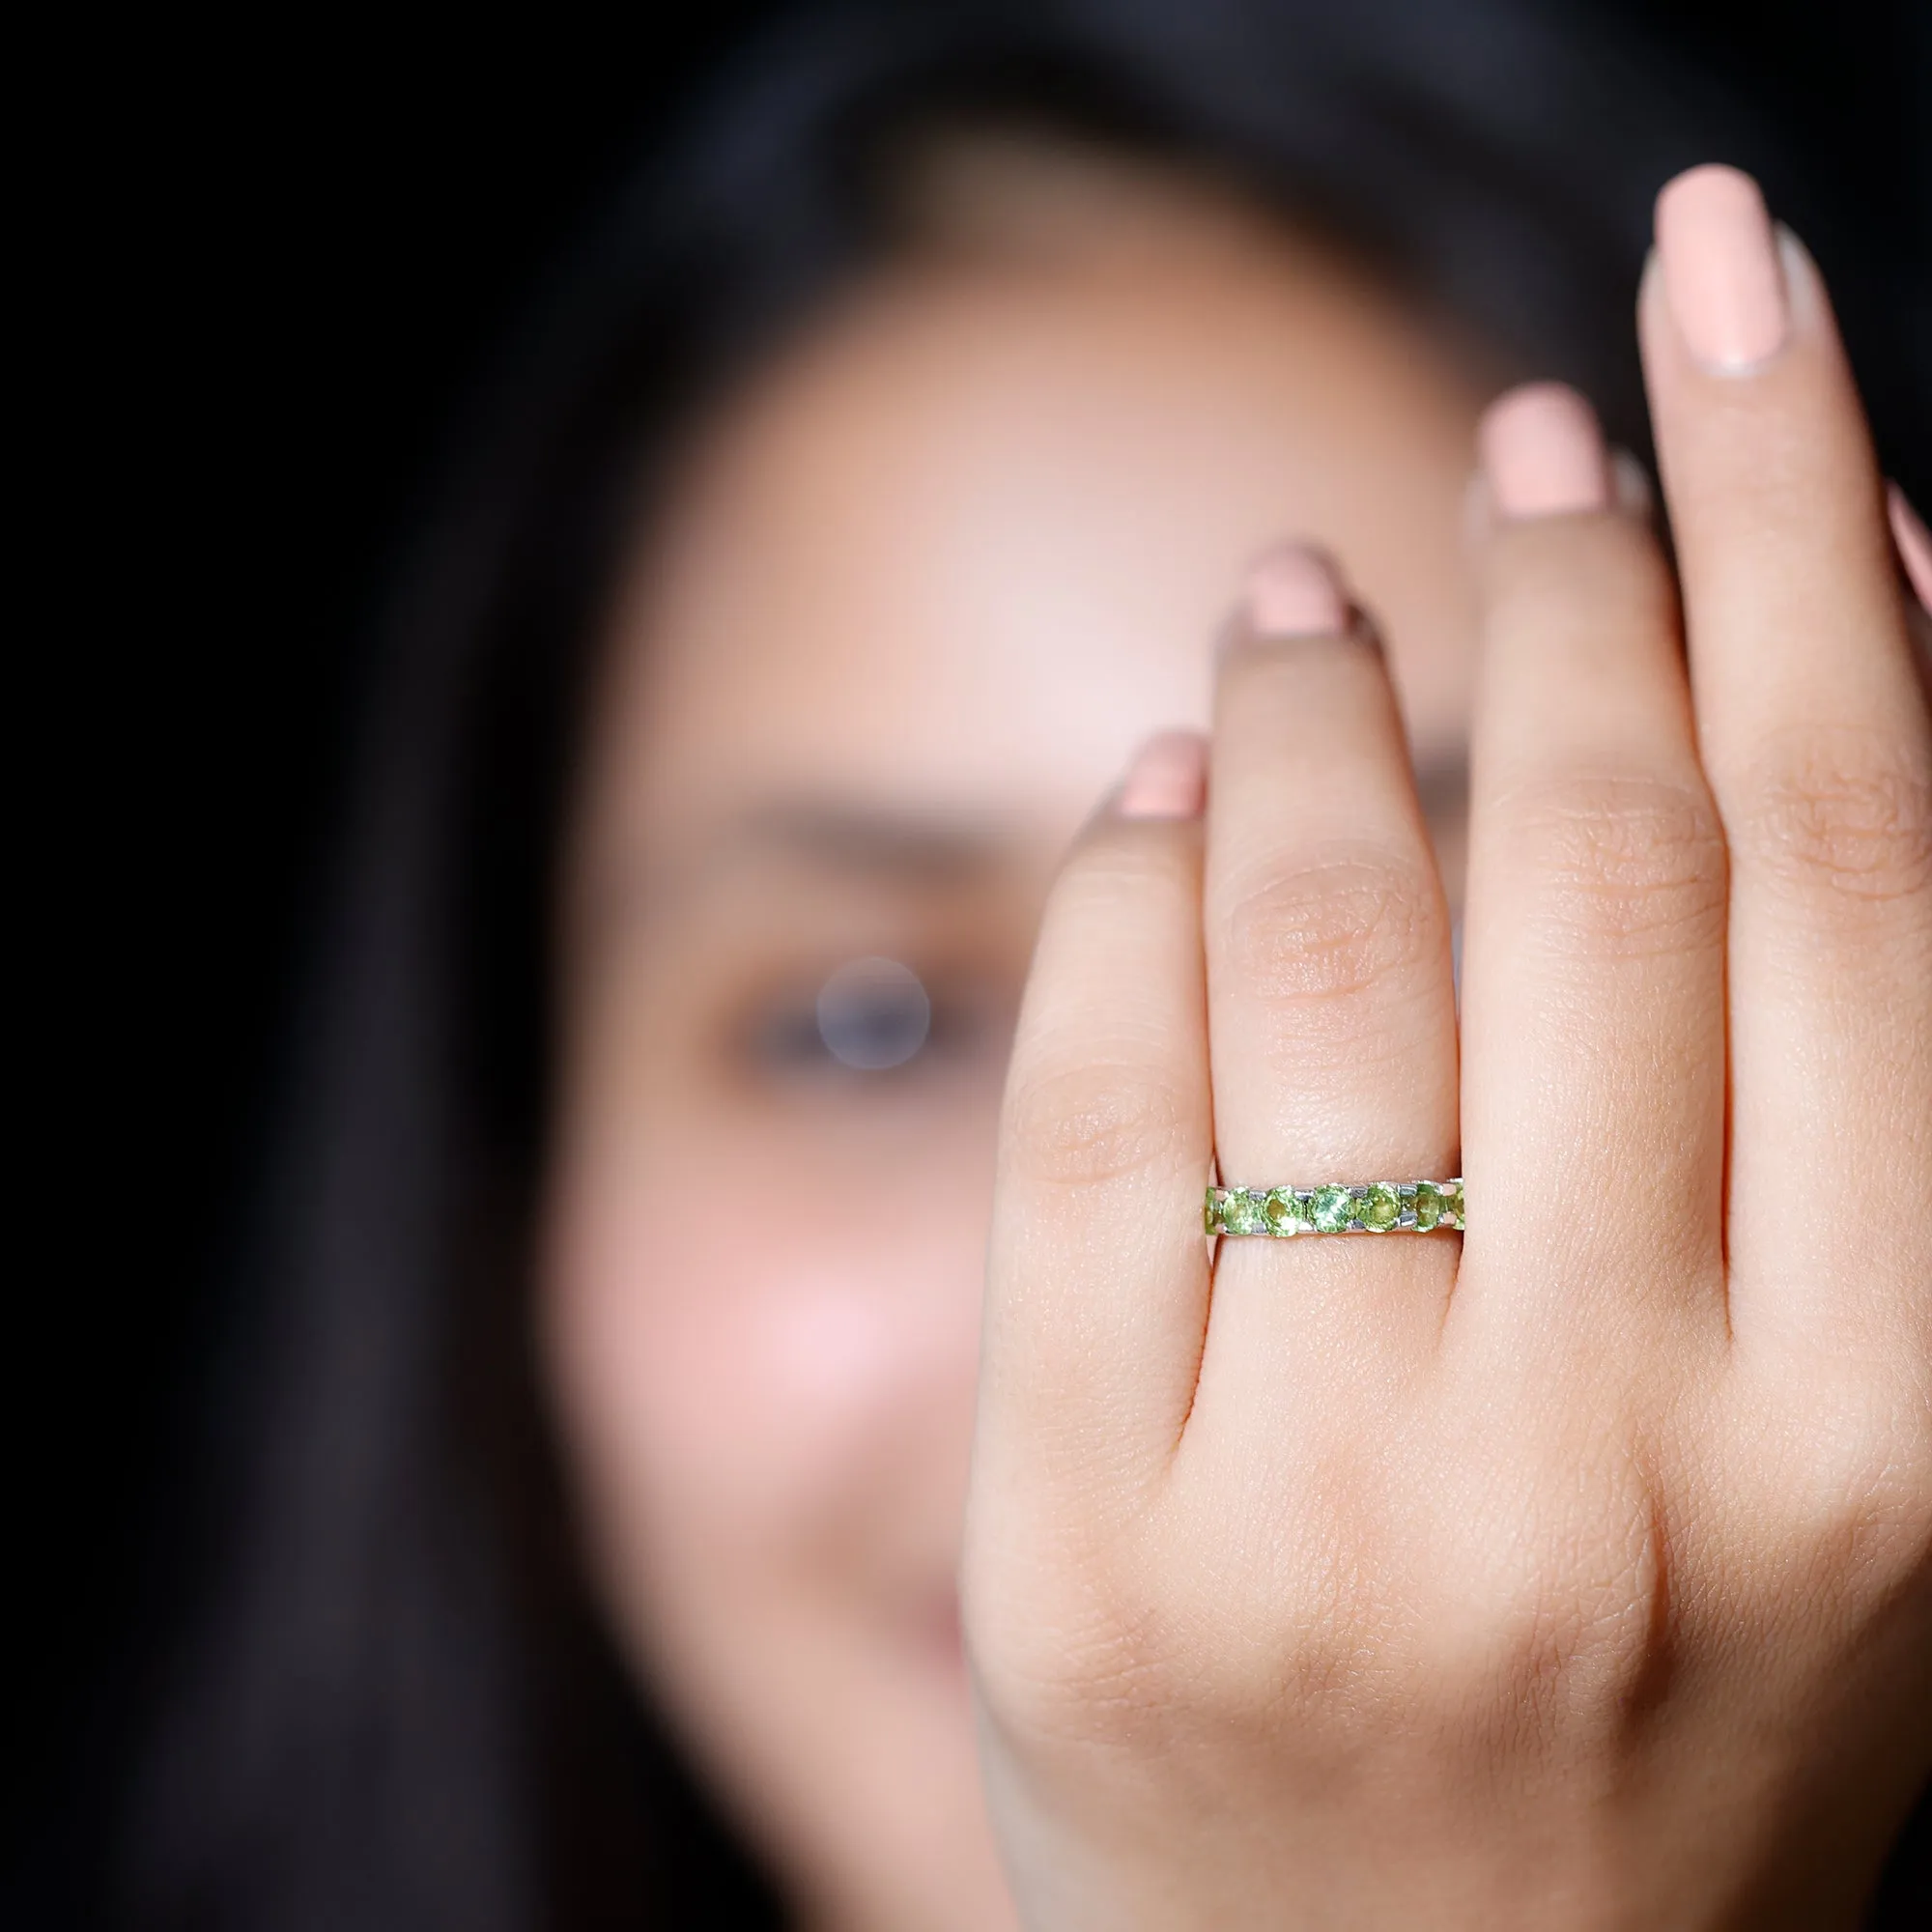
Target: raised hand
x=1577, y=1569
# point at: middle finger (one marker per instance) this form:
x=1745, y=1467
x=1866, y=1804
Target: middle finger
x=1593, y=988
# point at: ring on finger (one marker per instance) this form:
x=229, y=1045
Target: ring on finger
x=1371, y=1207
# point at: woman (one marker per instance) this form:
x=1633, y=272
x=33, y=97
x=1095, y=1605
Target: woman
x=887, y=478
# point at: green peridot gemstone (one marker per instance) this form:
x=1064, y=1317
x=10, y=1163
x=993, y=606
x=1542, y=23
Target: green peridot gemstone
x=1452, y=1203
x=1381, y=1206
x=1428, y=1205
x=1286, y=1215
x=1211, y=1213
x=1243, y=1214
x=1334, y=1210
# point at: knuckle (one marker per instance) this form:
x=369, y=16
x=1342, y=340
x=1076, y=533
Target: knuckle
x=1095, y=1121
x=1851, y=822
x=1054, y=1684
x=1860, y=1494
x=1334, y=929
x=1571, y=1630
x=1086, y=1657
x=1631, y=866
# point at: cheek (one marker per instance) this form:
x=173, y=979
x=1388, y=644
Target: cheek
x=727, y=1392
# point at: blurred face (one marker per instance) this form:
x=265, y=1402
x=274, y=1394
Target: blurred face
x=923, y=588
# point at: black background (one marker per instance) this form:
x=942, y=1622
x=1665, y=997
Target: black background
x=276, y=269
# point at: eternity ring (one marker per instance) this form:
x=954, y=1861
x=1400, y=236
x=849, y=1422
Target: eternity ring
x=1377, y=1207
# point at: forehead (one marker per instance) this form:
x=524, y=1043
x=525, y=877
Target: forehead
x=964, y=545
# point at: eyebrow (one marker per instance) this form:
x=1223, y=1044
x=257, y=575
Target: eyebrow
x=886, y=844
x=918, y=847
x=912, y=847
x=931, y=847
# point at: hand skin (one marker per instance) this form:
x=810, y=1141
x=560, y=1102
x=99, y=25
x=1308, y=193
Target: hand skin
x=1578, y=1571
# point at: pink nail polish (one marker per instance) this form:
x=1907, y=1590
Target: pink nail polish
x=1721, y=274
x=1168, y=778
x=1544, y=453
x=1913, y=540
x=1296, y=591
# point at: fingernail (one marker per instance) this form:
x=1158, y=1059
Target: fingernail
x=1721, y=276
x=1296, y=591
x=1168, y=778
x=1913, y=540
x=1544, y=453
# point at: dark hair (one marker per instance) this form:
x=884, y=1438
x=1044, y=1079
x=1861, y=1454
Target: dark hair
x=390, y=1707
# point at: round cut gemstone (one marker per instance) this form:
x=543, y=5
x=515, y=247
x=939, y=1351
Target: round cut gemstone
x=1381, y=1206
x=1242, y=1213
x=1211, y=1213
x=1286, y=1215
x=1428, y=1205
x=1452, y=1203
x=1334, y=1209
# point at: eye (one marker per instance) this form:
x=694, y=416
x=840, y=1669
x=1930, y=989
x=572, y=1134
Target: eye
x=870, y=1016
x=873, y=1014
x=878, y=1020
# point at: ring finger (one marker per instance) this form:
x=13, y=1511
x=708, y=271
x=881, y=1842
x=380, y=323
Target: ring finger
x=1331, y=998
